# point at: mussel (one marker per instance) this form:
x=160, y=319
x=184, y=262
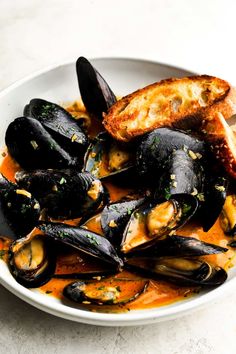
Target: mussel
x=181, y=271
x=214, y=199
x=83, y=240
x=100, y=293
x=95, y=92
x=33, y=147
x=228, y=215
x=115, y=216
x=59, y=124
x=155, y=148
x=19, y=211
x=32, y=260
x=151, y=221
x=181, y=246
x=105, y=157
x=65, y=193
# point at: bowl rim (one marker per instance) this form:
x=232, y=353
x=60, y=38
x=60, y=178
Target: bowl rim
x=135, y=317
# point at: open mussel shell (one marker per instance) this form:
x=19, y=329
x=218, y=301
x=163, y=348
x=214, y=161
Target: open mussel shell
x=95, y=92
x=153, y=221
x=155, y=148
x=181, y=246
x=64, y=193
x=83, y=240
x=32, y=260
x=182, y=174
x=214, y=200
x=181, y=271
x=100, y=294
x=228, y=215
x=105, y=157
x=59, y=124
x=19, y=211
x=115, y=216
x=33, y=147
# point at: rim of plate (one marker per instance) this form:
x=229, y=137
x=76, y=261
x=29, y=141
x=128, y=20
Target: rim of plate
x=134, y=317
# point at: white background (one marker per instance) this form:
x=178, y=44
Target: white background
x=198, y=35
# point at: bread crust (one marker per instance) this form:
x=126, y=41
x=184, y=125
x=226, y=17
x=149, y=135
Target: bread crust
x=125, y=122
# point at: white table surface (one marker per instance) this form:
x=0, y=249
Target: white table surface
x=198, y=35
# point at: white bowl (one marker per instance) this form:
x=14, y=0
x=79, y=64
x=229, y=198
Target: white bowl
x=59, y=84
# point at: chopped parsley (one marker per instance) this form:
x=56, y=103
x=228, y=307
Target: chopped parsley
x=129, y=211
x=2, y=253
x=186, y=208
x=101, y=287
x=167, y=193
x=62, y=180
x=92, y=239
x=24, y=208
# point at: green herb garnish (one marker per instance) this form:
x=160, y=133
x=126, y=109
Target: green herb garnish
x=186, y=208
x=167, y=193
x=101, y=288
x=2, y=253
x=62, y=180
x=92, y=239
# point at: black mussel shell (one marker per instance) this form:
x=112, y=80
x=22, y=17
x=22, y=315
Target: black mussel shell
x=214, y=199
x=99, y=294
x=65, y=193
x=181, y=271
x=59, y=124
x=32, y=260
x=228, y=215
x=95, y=92
x=105, y=157
x=33, y=147
x=19, y=211
x=152, y=221
x=181, y=246
x=182, y=174
x=155, y=148
x=115, y=216
x=83, y=240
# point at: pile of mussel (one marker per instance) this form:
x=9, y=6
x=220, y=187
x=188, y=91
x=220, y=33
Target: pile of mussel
x=63, y=176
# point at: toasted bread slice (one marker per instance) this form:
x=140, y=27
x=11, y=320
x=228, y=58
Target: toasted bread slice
x=178, y=103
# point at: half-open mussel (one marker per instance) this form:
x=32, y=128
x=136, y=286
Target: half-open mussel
x=83, y=240
x=228, y=215
x=155, y=148
x=95, y=92
x=182, y=271
x=115, y=216
x=105, y=157
x=59, y=124
x=152, y=221
x=33, y=147
x=64, y=193
x=181, y=246
x=19, y=211
x=100, y=293
x=32, y=260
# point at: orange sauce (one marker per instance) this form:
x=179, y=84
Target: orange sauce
x=158, y=293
